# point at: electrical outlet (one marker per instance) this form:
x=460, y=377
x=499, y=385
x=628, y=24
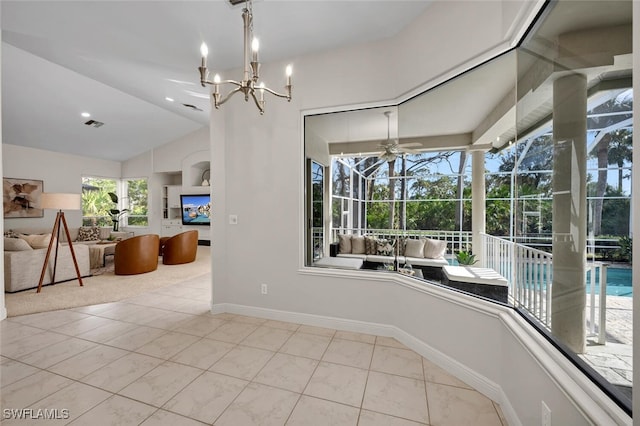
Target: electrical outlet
x=546, y=415
x=233, y=219
x=264, y=289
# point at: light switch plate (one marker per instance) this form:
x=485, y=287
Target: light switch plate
x=233, y=219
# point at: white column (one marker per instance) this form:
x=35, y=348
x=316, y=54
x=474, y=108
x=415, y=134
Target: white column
x=478, y=204
x=569, y=210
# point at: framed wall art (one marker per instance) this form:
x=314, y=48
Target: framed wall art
x=21, y=198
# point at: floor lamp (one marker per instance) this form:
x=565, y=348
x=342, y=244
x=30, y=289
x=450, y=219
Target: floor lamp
x=59, y=202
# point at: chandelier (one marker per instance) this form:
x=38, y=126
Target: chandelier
x=249, y=84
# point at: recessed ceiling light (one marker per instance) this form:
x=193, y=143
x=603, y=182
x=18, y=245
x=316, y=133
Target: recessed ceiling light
x=85, y=115
x=169, y=99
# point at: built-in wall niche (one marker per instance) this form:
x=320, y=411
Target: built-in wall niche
x=196, y=170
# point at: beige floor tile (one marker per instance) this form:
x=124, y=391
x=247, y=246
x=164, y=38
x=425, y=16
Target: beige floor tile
x=203, y=354
x=169, y=320
x=167, y=345
x=320, y=331
x=306, y=345
x=24, y=392
x=77, y=398
x=403, y=362
x=242, y=362
x=357, y=337
x=135, y=338
x=435, y=374
x=50, y=319
x=338, y=383
x=200, y=325
x=12, y=331
x=83, y=325
x=282, y=325
x=121, y=372
x=192, y=307
x=268, y=338
x=318, y=412
x=167, y=418
x=142, y=315
x=248, y=320
x=87, y=362
x=348, y=352
x=287, y=372
x=116, y=411
x=106, y=332
x=161, y=384
x=12, y=371
x=232, y=332
x=369, y=418
x=389, y=341
x=450, y=405
x=19, y=348
x=206, y=397
x=53, y=354
x=259, y=405
x=397, y=396
x=96, y=309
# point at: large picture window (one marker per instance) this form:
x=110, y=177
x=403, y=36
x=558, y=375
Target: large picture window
x=522, y=167
x=97, y=204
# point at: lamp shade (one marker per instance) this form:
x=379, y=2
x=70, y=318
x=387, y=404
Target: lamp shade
x=58, y=201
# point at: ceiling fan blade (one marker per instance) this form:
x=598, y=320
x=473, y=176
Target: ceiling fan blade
x=408, y=150
x=410, y=144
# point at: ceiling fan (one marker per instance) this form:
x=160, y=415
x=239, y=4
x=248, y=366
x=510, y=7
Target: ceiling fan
x=392, y=148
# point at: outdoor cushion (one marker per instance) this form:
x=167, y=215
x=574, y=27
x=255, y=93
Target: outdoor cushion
x=345, y=243
x=414, y=248
x=370, y=245
x=434, y=248
x=357, y=245
x=385, y=247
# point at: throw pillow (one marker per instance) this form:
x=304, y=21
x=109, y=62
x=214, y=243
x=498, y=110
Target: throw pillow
x=344, y=241
x=434, y=249
x=16, y=244
x=370, y=245
x=37, y=241
x=357, y=245
x=414, y=248
x=385, y=247
x=11, y=234
x=402, y=245
x=88, y=234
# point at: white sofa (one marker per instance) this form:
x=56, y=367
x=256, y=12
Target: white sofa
x=421, y=252
x=23, y=262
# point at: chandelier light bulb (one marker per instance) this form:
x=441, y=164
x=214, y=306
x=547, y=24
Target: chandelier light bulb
x=204, y=50
x=216, y=79
x=289, y=70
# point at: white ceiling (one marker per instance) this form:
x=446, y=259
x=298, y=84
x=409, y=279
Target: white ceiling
x=118, y=60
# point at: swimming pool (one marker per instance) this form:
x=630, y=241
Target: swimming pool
x=619, y=282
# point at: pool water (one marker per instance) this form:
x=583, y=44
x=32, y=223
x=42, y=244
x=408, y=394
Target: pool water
x=619, y=282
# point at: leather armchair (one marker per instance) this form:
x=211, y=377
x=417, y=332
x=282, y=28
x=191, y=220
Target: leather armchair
x=137, y=255
x=180, y=248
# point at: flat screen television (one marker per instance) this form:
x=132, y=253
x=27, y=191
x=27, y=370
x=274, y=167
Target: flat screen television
x=196, y=209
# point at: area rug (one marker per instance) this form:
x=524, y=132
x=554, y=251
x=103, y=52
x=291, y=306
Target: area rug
x=104, y=286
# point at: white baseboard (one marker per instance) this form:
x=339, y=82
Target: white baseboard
x=478, y=382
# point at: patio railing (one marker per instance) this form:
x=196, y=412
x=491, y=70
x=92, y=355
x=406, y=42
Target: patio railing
x=530, y=275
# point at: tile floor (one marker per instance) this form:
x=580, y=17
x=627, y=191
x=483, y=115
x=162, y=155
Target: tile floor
x=163, y=359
